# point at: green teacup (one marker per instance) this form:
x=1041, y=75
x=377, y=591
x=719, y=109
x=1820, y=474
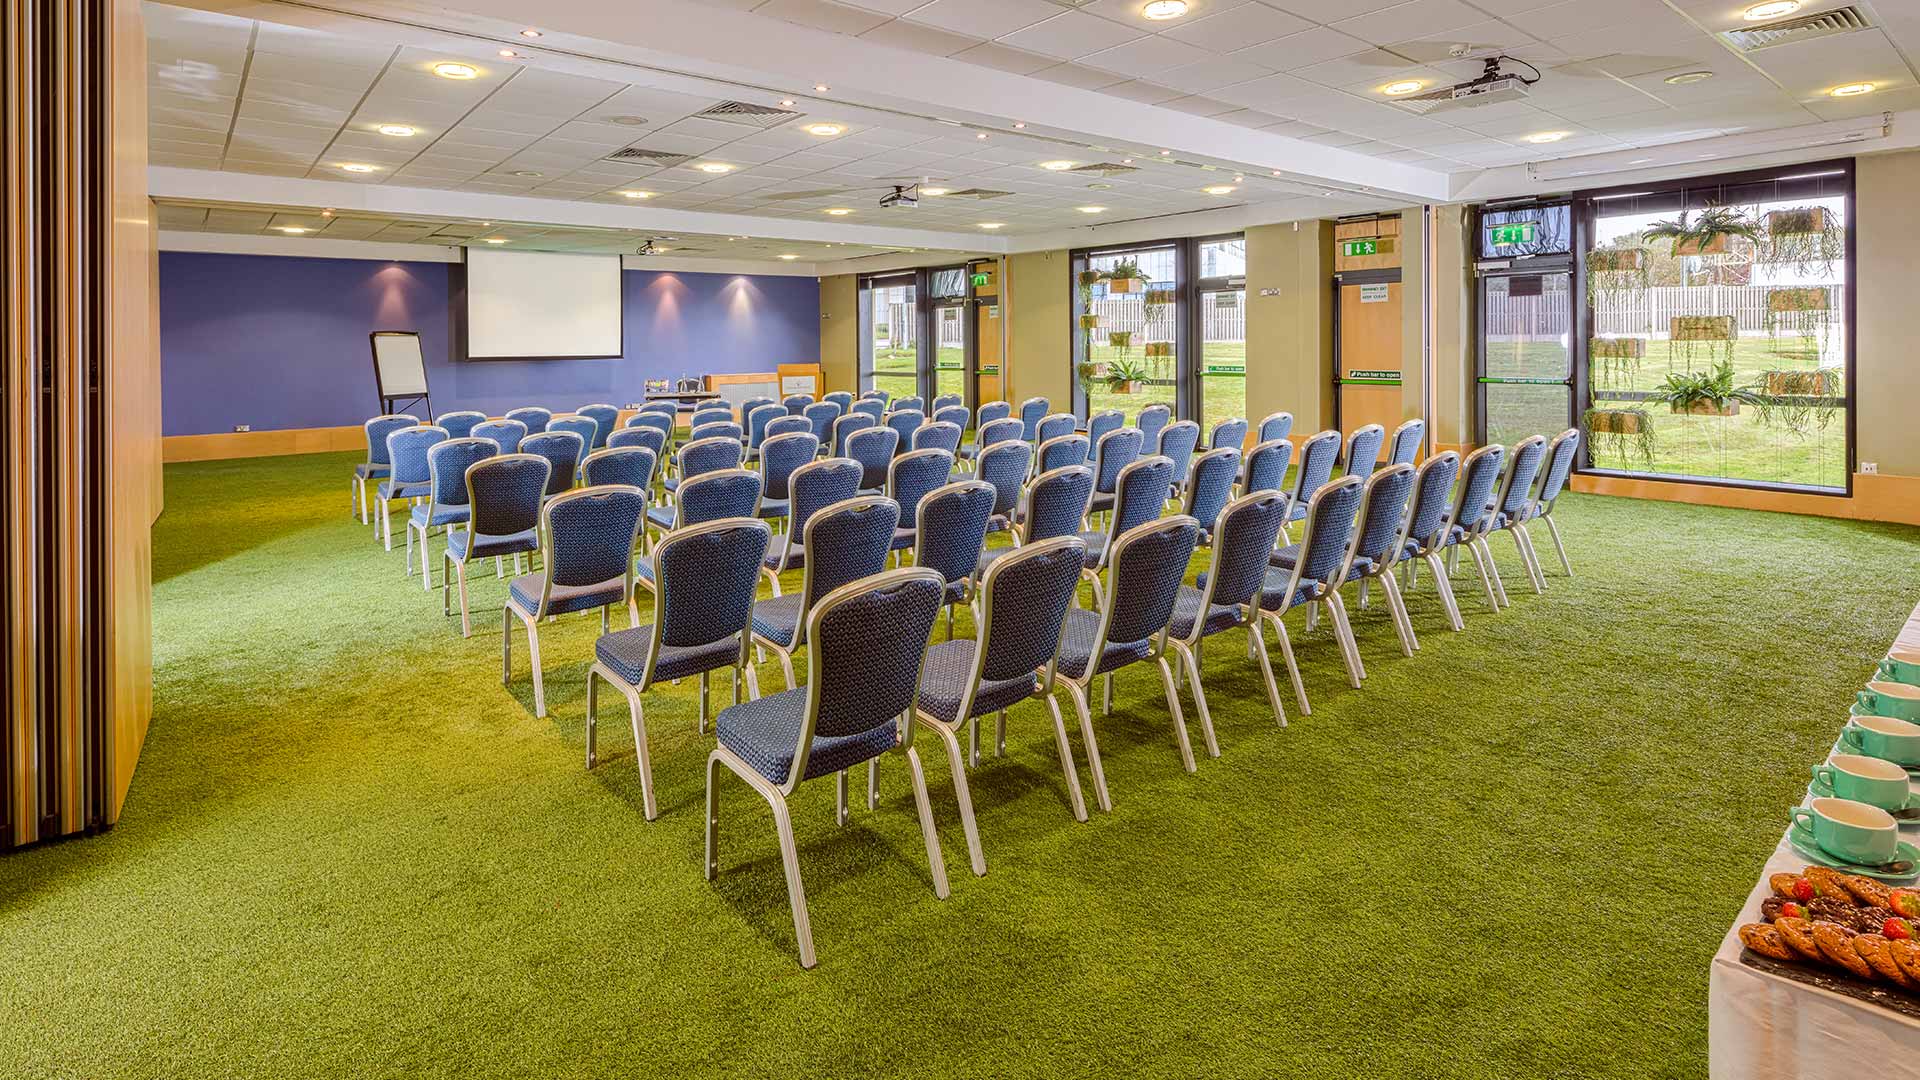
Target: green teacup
x=1870, y=780
x=1901, y=666
x=1882, y=737
x=1891, y=699
x=1850, y=830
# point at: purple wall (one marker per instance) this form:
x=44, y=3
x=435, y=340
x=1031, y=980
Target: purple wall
x=281, y=342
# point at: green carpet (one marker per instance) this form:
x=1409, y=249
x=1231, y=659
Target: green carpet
x=350, y=852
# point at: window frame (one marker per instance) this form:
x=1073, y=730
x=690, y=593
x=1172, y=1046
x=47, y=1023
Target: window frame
x=1521, y=265
x=1187, y=386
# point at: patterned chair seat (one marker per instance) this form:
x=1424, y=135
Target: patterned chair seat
x=1285, y=557
x=643, y=568
x=1096, y=542
x=625, y=652
x=777, y=618
x=671, y=483
x=1186, y=608
x=440, y=515
x=1077, y=648
x=525, y=589
x=1102, y=500
x=390, y=490
x=511, y=544
x=944, y=677
x=660, y=517
x=367, y=470
x=773, y=509
x=1273, y=590
x=903, y=539
x=988, y=556
x=764, y=733
x=1299, y=511
x=796, y=558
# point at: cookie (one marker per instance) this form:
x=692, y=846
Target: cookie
x=1907, y=955
x=1782, y=884
x=1836, y=944
x=1867, y=891
x=1798, y=934
x=1873, y=949
x=1826, y=882
x=1766, y=941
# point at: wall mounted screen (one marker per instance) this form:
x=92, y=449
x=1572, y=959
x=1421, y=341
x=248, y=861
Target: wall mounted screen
x=534, y=305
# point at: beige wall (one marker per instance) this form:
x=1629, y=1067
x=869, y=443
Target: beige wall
x=1886, y=388
x=1290, y=335
x=1038, y=308
x=840, y=332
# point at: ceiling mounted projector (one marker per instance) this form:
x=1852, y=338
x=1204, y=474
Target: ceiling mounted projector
x=903, y=197
x=1493, y=86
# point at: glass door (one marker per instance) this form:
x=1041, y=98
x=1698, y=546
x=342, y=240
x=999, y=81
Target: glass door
x=947, y=293
x=1526, y=355
x=987, y=382
x=1221, y=330
x=890, y=345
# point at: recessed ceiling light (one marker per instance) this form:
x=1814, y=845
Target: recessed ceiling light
x=838, y=211
x=293, y=230
x=982, y=135
x=495, y=240
x=637, y=194
x=821, y=88
x=1404, y=86
x=786, y=103
x=1019, y=126
x=933, y=191
x=1239, y=179
x=714, y=167
x=354, y=166
x=1091, y=209
x=1772, y=9
x=627, y=121
x=1851, y=90
x=455, y=71
x=529, y=33
x=1546, y=136
x=993, y=224
x=528, y=173
x=1164, y=153
x=1058, y=166
x=398, y=131
x=1099, y=187
x=1161, y=10
x=1219, y=189
x=509, y=54
x=789, y=258
x=1686, y=77
x=824, y=129
x=1126, y=161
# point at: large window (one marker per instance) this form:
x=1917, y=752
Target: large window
x=1717, y=340
x=890, y=351
x=948, y=293
x=1525, y=271
x=1221, y=327
x=914, y=339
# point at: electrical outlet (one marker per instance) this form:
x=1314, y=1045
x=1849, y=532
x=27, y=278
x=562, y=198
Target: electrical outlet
x=1871, y=468
x=242, y=427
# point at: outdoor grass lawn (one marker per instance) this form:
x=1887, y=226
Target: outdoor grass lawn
x=349, y=851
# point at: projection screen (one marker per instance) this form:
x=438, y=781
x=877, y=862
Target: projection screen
x=536, y=305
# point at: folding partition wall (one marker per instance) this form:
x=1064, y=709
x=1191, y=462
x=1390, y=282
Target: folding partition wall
x=79, y=413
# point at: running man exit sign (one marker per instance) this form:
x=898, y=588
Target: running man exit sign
x=1515, y=232
x=1351, y=248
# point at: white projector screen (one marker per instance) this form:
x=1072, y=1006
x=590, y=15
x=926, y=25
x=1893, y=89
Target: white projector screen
x=539, y=305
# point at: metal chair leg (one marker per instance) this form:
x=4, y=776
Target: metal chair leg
x=1179, y=716
x=1259, y=642
x=1558, y=547
x=1402, y=623
x=935, y=861
x=1080, y=706
x=1192, y=663
x=962, y=796
x=1293, y=667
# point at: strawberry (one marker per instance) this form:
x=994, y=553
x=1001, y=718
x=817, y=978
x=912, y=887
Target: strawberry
x=1897, y=930
x=1791, y=910
x=1906, y=902
x=1803, y=890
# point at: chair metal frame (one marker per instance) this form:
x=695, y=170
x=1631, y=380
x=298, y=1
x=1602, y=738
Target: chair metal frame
x=1426, y=548
x=393, y=485
x=1274, y=425
x=1382, y=568
x=1512, y=502
x=500, y=420
x=451, y=568
x=1322, y=594
x=606, y=419
x=783, y=562
x=512, y=609
x=856, y=504
x=1403, y=446
x=467, y=417
x=435, y=485
x=1544, y=501
x=368, y=474
x=967, y=580
x=1187, y=648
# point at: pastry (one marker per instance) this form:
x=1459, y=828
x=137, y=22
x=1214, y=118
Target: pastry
x=1874, y=950
x=1782, y=885
x=1836, y=944
x=1798, y=934
x=1867, y=891
x=1907, y=955
x=1766, y=941
x=1826, y=882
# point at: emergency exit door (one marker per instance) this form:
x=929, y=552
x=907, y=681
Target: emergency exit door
x=1367, y=352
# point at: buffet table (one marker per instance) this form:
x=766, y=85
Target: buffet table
x=1762, y=1026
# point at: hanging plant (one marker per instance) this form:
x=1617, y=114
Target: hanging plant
x=1691, y=336
x=1125, y=376
x=1617, y=277
x=1803, y=317
x=1089, y=278
x=1800, y=401
x=1806, y=238
x=1126, y=277
x=1625, y=433
x=1708, y=233
x=1089, y=322
x=1120, y=339
x=1615, y=360
x=1091, y=375
x=1709, y=393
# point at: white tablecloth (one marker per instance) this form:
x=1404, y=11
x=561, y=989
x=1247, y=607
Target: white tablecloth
x=1766, y=1027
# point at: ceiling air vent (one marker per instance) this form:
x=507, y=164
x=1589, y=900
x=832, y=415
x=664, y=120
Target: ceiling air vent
x=977, y=193
x=743, y=112
x=1105, y=168
x=634, y=155
x=1843, y=20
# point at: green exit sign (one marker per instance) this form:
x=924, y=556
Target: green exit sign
x=1517, y=232
x=979, y=281
x=1350, y=248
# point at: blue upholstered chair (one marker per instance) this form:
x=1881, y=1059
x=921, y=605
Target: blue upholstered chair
x=459, y=425
x=950, y=531
x=710, y=412
x=705, y=455
x=1404, y=447
x=1053, y=505
x=949, y=401
x=654, y=420
x=938, y=435
x=1152, y=420
x=873, y=449
x=1380, y=539
x=1515, y=505
x=1137, y=501
x=1553, y=480
x=1266, y=469
x=664, y=408
x=869, y=643
x=1275, y=426
x=843, y=542
x=844, y=428
x=957, y=415
x=652, y=438
x=586, y=563
x=840, y=398
x=796, y=404
x=563, y=450
x=1059, y=452
x=811, y=488
x=533, y=416
x=757, y=422
x=822, y=414
x=606, y=419
x=505, y=434
x=708, y=496
x=1228, y=434
x=787, y=425
x=1312, y=578
x=1097, y=427
x=701, y=608
x=1032, y=411
x=995, y=432
x=1178, y=441
x=1116, y=450
x=408, y=476
x=1363, y=450
x=584, y=426
x=880, y=396
x=1226, y=596
x=1054, y=425
x=634, y=465
x=1209, y=487
x=1024, y=602
x=910, y=403
x=719, y=429
x=875, y=407
x=1006, y=466
x=446, y=502
x=904, y=424
x=749, y=405
x=991, y=411
x=1318, y=455
x=1472, y=516
x=1427, y=528
x=505, y=494
x=1130, y=627
x=378, y=465
x=909, y=479
x=781, y=456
